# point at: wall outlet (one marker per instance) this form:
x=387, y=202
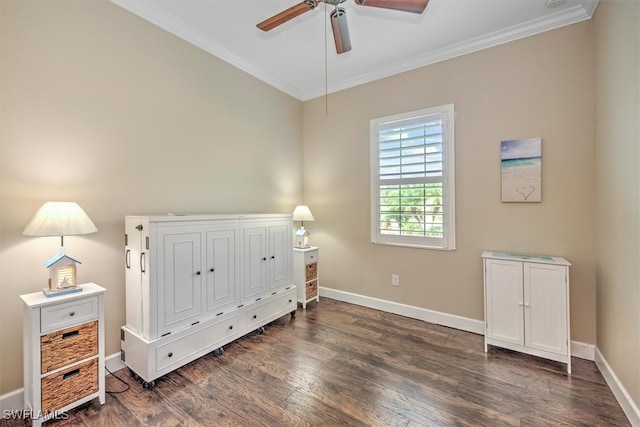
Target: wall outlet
x=395, y=280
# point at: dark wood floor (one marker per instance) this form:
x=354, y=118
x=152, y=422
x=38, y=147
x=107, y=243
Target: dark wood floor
x=341, y=364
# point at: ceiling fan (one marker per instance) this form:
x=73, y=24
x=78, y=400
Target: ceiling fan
x=338, y=16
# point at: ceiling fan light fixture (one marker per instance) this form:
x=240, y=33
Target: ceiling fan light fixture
x=340, y=30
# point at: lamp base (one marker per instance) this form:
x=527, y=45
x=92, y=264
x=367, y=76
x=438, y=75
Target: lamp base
x=49, y=293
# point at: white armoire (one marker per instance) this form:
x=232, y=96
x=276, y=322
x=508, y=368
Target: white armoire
x=197, y=282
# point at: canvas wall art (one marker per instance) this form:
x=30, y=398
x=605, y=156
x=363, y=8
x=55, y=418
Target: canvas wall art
x=521, y=167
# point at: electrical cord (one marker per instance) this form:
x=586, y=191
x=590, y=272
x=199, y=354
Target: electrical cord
x=119, y=379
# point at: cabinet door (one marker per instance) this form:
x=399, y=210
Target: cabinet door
x=279, y=255
x=504, y=300
x=545, y=296
x=220, y=269
x=179, y=280
x=254, y=259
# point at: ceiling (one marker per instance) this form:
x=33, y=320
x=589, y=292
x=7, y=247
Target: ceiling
x=385, y=42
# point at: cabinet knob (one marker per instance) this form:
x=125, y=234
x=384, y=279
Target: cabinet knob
x=212, y=270
x=198, y=273
x=264, y=259
x=273, y=257
x=255, y=316
x=230, y=327
x=73, y=313
x=170, y=354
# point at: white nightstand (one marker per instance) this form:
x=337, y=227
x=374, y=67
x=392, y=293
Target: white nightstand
x=63, y=340
x=305, y=274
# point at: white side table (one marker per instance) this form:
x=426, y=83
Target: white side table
x=305, y=274
x=63, y=351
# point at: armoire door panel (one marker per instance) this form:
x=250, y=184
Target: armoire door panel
x=182, y=282
x=221, y=269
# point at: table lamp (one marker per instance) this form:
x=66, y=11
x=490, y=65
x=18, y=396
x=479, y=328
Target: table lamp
x=60, y=219
x=302, y=213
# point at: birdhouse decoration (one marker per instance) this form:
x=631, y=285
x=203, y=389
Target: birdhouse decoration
x=302, y=238
x=62, y=274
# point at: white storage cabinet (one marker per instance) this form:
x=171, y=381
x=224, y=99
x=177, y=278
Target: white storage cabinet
x=527, y=304
x=305, y=274
x=63, y=340
x=195, y=283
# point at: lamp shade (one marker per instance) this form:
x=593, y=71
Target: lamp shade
x=302, y=213
x=60, y=219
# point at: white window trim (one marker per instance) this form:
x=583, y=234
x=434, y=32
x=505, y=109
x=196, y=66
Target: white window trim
x=448, y=242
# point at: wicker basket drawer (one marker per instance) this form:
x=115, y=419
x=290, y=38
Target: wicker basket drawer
x=70, y=345
x=312, y=289
x=311, y=271
x=69, y=385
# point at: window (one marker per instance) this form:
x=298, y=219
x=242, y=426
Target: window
x=412, y=179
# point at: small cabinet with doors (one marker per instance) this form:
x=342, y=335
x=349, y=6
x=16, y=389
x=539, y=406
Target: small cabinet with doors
x=305, y=274
x=527, y=304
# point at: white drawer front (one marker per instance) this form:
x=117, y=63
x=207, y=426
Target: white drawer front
x=72, y=313
x=263, y=312
x=184, y=347
x=310, y=257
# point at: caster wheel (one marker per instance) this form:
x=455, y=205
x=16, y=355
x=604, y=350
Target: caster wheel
x=148, y=385
x=260, y=330
x=218, y=352
x=293, y=313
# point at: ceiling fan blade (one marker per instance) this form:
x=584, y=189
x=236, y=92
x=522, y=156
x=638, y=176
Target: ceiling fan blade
x=340, y=30
x=413, y=6
x=285, y=15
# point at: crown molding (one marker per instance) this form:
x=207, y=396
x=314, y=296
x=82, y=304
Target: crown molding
x=569, y=16
x=149, y=12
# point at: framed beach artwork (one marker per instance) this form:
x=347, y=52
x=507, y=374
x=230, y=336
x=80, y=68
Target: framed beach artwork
x=521, y=167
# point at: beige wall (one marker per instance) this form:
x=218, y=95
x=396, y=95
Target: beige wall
x=103, y=108
x=538, y=86
x=617, y=50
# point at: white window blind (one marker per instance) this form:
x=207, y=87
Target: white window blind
x=412, y=179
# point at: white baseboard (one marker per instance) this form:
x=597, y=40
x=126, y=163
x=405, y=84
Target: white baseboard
x=14, y=400
x=113, y=363
x=582, y=350
x=450, y=320
x=622, y=396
